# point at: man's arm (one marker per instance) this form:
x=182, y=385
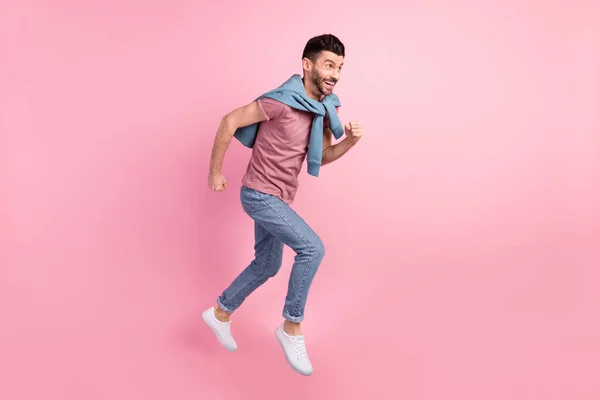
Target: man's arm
x=243, y=116
x=333, y=152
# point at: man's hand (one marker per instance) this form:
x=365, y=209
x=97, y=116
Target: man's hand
x=217, y=182
x=354, y=131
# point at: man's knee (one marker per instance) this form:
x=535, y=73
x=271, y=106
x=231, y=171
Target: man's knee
x=317, y=248
x=266, y=270
x=275, y=265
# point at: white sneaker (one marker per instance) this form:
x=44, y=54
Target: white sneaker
x=295, y=351
x=221, y=329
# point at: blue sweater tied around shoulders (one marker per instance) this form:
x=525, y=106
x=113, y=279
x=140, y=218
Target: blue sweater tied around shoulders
x=293, y=94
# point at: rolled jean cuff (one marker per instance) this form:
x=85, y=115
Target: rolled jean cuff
x=222, y=307
x=295, y=320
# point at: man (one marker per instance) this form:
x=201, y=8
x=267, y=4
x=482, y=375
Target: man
x=283, y=127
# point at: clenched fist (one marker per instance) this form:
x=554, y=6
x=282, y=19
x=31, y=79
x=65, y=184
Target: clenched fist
x=217, y=182
x=354, y=130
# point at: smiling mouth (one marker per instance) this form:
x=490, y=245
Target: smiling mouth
x=329, y=84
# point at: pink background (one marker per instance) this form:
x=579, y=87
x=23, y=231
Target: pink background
x=462, y=233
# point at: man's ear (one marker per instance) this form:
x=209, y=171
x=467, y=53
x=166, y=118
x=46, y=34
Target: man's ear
x=306, y=63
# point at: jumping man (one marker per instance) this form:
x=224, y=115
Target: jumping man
x=284, y=127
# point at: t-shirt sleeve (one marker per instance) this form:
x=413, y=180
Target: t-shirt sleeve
x=271, y=108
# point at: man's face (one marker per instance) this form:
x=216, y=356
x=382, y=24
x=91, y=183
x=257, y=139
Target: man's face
x=326, y=72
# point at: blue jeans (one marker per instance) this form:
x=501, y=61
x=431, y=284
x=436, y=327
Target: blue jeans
x=275, y=225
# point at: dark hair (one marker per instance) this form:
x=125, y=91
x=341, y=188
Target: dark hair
x=320, y=43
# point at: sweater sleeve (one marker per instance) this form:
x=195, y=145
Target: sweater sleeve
x=326, y=121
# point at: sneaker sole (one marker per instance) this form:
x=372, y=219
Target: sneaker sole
x=279, y=340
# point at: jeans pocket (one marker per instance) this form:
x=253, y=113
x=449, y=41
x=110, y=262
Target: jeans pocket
x=247, y=199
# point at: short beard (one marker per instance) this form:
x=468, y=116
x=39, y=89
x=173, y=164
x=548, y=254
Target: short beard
x=317, y=81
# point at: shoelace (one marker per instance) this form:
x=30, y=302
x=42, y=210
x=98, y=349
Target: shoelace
x=300, y=347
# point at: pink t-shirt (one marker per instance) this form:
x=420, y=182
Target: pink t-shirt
x=279, y=150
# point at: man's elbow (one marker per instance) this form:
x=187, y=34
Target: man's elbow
x=228, y=123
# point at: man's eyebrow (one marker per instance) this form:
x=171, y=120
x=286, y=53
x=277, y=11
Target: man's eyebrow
x=333, y=62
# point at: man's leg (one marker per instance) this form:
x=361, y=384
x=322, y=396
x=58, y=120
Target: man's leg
x=268, y=256
x=287, y=226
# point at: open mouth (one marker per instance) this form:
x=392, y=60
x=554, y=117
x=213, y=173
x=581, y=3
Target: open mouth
x=329, y=84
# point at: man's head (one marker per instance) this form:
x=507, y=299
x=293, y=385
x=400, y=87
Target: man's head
x=322, y=62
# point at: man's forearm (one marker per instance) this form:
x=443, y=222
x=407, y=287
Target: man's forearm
x=222, y=139
x=337, y=150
